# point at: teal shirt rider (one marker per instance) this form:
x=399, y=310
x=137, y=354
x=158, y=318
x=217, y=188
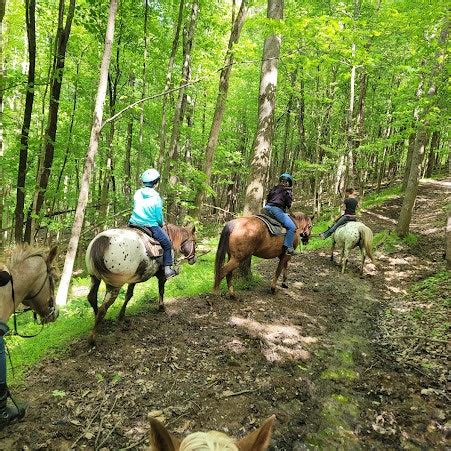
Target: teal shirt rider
x=148, y=208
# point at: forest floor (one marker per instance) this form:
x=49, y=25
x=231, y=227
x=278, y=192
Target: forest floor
x=343, y=362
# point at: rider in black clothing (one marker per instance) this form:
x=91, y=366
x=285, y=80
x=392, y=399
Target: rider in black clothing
x=350, y=204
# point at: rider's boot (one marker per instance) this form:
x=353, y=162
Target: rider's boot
x=169, y=272
x=290, y=250
x=9, y=413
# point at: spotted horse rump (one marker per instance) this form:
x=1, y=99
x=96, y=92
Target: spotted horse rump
x=130, y=256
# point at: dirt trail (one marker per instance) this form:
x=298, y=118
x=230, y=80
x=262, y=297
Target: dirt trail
x=320, y=355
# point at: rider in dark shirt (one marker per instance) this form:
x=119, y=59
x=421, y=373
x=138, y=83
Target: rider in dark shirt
x=350, y=204
x=278, y=201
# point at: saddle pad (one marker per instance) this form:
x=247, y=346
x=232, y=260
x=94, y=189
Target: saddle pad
x=153, y=247
x=274, y=226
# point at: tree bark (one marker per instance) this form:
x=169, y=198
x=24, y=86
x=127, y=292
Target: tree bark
x=30, y=19
x=168, y=84
x=410, y=149
x=221, y=100
x=410, y=194
x=52, y=122
x=171, y=159
x=435, y=140
x=266, y=106
x=63, y=288
x=2, y=72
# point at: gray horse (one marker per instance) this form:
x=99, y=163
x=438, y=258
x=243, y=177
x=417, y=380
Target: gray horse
x=349, y=236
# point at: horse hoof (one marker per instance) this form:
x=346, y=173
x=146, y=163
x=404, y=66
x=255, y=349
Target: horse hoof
x=284, y=285
x=273, y=290
x=92, y=340
x=161, y=308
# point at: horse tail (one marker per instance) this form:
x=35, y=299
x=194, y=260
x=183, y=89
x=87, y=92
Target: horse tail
x=96, y=256
x=366, y=235
x=223, y=248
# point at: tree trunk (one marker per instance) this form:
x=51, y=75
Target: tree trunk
x=410, y=149
x=266, y=106
x=435, y=140
x=30, y=19
x=410, y=194
x=221, y=100
x=171, y=160
x=168, y=83
x=52, y=122
x=143, y=95
x=2, y=74
x=63, y=288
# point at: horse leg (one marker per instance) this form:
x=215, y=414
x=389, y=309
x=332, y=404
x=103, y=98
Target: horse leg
x=362, y=251
x=285, y=274
x=332, y=251
x=282, y=260
x=344, y=259
x=110, y=297
x=227, y=271
x=161, y=282
x=128, y=296
x=92, y=295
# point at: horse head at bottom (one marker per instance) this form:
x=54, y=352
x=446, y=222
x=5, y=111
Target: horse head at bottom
x=258, y=440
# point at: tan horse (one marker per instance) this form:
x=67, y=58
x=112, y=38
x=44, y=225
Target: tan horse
x=28, y=278
x=162, y=440
x=243, y=237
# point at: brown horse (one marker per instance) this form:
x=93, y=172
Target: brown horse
x=162, y=440
x=243, y=237
x=127, y=256
x=28, y=278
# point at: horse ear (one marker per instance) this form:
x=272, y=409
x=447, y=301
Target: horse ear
x=191, y=227
x=257, y=440
x=52, y=255
x=160, y=439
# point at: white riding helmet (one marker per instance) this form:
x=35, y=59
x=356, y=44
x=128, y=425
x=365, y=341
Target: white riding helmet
x=150, y=176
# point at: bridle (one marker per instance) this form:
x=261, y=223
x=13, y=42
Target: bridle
x=51, y=310
x=192, y=252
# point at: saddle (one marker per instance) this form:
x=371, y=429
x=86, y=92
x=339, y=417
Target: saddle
x=153, y=247
x=274, y=226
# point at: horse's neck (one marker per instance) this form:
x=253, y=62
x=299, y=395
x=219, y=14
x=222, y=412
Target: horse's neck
x=173, y=236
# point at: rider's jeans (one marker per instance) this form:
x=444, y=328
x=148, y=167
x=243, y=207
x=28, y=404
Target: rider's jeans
x=286, y=221
x=160, y=235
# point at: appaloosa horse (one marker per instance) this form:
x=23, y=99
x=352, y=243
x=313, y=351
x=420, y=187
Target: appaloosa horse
x=243, y=237
x=349, y=236
x=130, y=256
x=28, y=278
x=258, y=440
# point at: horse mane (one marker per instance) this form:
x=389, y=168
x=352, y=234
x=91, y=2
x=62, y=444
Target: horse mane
x=208, y=441
x=22, y=252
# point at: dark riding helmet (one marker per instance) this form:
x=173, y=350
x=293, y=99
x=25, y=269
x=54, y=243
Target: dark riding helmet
x=285, y=177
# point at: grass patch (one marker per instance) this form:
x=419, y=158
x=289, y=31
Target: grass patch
x=390, y=242
x=380, y=197
x=77, y=318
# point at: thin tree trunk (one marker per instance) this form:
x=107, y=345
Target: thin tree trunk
x=435, y=140
x=63, y=288
x=266, y=106
x=143, y=94
x=410, y=194
x=410, y=149
x=221, y=100
x=171, y=160
x=168, y=84
x=2, y=73
x=30, y=19
x=52, y=123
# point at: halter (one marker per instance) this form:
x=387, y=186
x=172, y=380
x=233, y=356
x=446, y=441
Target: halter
x=192, y=252
x=28, y=298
